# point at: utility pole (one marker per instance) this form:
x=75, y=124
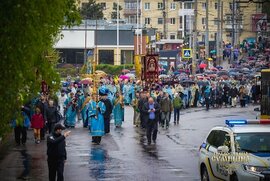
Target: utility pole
x=164, y=19
x=117, y=35
x=233, y=29
x=207, y=31
x=194, y=38
x=221, y=31
x=218, y=38
x=85, y=42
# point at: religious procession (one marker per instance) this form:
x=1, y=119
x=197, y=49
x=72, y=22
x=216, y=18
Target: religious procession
x=157, y=97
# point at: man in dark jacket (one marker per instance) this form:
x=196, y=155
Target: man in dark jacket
x=166, y=108
x=142, y=101
x=108, y=112
x=233, y=94
x=151, y=111
x=56, y=152
x=51, y=116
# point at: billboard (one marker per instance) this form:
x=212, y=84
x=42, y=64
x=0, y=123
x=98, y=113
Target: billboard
x=259, y=22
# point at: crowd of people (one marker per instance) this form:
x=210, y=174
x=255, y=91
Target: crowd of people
x=97, y=110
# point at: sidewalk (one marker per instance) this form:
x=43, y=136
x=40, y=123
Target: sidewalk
x=27, y=162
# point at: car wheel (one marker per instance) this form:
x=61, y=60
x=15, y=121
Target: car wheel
x=234, y=178
x=204, y=174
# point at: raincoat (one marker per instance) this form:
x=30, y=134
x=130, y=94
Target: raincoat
x=95, y=115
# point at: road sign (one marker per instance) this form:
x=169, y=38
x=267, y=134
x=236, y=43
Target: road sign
x=187, y=53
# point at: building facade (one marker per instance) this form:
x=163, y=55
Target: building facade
x=100, y=38
x=174, y=20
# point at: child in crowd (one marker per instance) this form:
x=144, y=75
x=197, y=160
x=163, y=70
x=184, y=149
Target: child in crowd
x=37, y=123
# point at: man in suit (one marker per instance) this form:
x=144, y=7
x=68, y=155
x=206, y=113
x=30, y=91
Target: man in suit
x=151, y=111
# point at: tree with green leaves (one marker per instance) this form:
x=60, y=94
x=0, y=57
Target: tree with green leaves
x=114, y=13
x=92, y=10
x=28, y=32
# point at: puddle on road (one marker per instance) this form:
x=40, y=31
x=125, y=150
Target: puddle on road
x=26, y=158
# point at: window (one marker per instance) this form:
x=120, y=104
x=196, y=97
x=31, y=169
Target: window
x=180, y=34
x=160, y=21
x=203, y=21
x=181, y=22
x=216, y=21
x=228, y=20
x=172, y=20
x=231, y=6
x=216, y=6
x=103, y=5
x=160, y=5
x=203, y=38
x=132, y=19
x=204, y=6
x=218, y=138
x=147, y=6
x=147, y=21
x=188, y=6
x=173, y=6
x=130, y=5
x=172, y=36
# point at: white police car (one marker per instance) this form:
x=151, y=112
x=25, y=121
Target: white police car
x=238, y=151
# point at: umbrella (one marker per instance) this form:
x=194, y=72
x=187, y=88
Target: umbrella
x=130, y=75
x=219, y=67
x=202, y=66
x=222, y=73
x=123, y=77
x=214, y=69
x=176, y=73
x=163, y=76
x=125, y=71
x=86, y=81
x=213, y=51
x=188, y=82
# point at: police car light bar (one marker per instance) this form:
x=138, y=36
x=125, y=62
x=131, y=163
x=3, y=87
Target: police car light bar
x=231, y=123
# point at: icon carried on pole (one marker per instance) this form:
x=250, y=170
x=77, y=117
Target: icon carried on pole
x=187, y=53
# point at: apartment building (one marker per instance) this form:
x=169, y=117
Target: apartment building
x=174, y=20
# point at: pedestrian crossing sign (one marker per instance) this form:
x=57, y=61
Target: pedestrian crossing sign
x=187, y=53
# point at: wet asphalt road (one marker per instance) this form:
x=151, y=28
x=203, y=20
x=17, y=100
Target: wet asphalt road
x=124, y=153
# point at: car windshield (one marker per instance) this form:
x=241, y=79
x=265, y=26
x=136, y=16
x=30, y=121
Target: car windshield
x=253, y=142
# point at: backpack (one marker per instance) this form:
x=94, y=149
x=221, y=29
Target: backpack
x=177, y=103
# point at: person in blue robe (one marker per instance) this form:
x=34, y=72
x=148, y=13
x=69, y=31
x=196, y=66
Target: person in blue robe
x=132, y=92
x=118, y=110
x=71, y=106
x=126, y=92
x=83, y=110
x=95, y=113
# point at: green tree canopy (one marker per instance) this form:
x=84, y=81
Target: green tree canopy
x=114, y=13
x=28, y=31
x=92, y=10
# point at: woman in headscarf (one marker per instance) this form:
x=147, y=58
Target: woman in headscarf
x=118, y=111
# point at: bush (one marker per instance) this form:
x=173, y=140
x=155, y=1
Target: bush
x=64, y=71
x=114, y=69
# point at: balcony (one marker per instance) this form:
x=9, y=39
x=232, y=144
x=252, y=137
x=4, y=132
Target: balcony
x=131, y=12
x=186, y=12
